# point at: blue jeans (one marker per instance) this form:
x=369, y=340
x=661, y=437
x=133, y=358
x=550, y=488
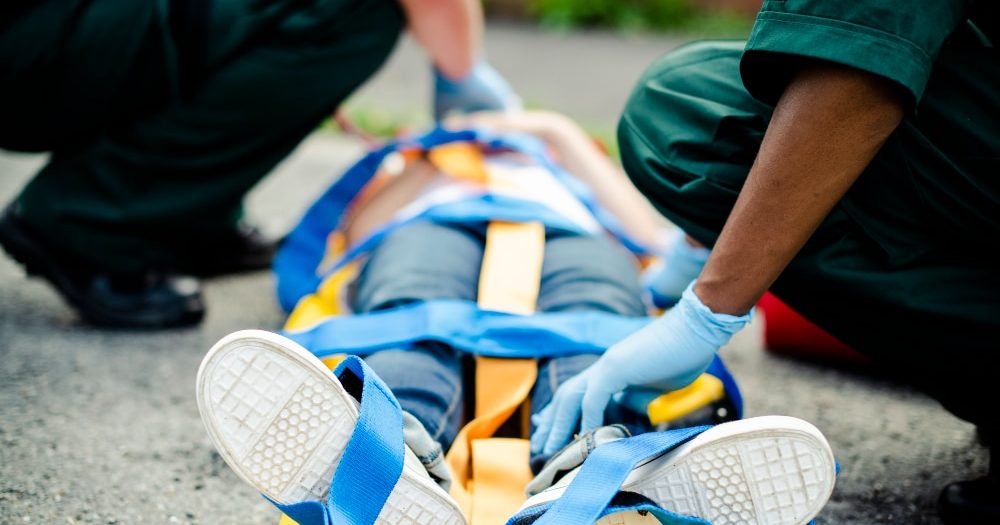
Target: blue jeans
x=424, y=260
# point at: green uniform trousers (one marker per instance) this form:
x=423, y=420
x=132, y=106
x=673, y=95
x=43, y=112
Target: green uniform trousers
x=906, y=267
x=162, y=114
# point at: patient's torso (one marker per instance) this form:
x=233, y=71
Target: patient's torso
x=420, y=187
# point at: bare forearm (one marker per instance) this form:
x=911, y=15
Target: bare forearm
x=827, y=127
x=611, y=187
x=450, y=30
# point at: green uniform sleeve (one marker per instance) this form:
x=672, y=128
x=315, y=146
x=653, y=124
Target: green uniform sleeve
x=896, y=40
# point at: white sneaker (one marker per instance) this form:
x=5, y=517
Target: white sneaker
x=281, y=420
x=771, y=470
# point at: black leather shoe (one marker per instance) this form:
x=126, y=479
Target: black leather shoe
x=244, y=249
x=975, y=502
x=103, y=298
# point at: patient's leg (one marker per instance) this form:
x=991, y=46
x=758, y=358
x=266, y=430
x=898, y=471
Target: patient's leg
x=583, y=273
x=427, y=381
x=419, y=262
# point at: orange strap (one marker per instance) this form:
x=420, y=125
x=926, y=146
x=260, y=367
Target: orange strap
x=491, y=473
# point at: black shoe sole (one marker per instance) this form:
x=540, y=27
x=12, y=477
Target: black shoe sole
x=40, y=262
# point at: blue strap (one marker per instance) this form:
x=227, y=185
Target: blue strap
x=304, y=513
x=372, y=462
x=665, y=517
x=463, y=325
x=602, y=474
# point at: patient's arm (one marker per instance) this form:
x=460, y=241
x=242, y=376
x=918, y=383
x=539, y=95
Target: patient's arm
x=581, y=157
x=384, y=203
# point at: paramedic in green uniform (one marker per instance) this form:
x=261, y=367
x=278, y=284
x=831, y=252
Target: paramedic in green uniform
x=846, y=157
x=161, y=114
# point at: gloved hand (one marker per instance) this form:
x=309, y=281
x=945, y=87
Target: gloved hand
x=666, y=280
x=667, y=354
x=483, y=89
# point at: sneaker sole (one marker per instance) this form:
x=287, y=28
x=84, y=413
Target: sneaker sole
x=771, y=470
x=281, y=421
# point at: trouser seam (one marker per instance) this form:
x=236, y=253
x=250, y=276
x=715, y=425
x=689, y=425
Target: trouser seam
x=553, y=378
x=453, y=404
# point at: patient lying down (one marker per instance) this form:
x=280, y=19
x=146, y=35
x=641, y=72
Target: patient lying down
x=283, y=422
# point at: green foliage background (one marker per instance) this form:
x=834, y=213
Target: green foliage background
x=647, y=15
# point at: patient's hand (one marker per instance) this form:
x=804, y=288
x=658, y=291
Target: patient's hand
x=580, y=155
x=546, y=125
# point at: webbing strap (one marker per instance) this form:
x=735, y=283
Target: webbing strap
x=373, y=460
x=509, y=280
x=465, y=326
x=490, y=473
x=601, y=477
x=500, y=470
x=512, y=379
x=371, y=463
x=512, y=267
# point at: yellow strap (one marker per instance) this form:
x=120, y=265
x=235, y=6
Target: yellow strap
x=502, y=384
x=490, y=473
x=460, y=160
x=464, y=161
x=679, y=403
x=512, y=267
x=500, y=472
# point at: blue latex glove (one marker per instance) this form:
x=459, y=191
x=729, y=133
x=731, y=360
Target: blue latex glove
x=667, y=354
x=681, y=264
x=483, y=89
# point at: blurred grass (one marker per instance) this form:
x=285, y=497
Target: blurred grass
x=379, y=123
x=717, y=25
x=676, y=16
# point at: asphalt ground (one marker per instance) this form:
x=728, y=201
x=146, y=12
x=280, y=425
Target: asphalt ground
x=101, y=427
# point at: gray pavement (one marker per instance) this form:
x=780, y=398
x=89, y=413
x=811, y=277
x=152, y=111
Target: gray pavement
x=588, y=75
x=101, y=427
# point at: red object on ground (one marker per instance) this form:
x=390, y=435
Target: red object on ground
x=788, y=332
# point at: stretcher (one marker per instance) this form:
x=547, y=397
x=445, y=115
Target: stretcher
x=501, y=329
